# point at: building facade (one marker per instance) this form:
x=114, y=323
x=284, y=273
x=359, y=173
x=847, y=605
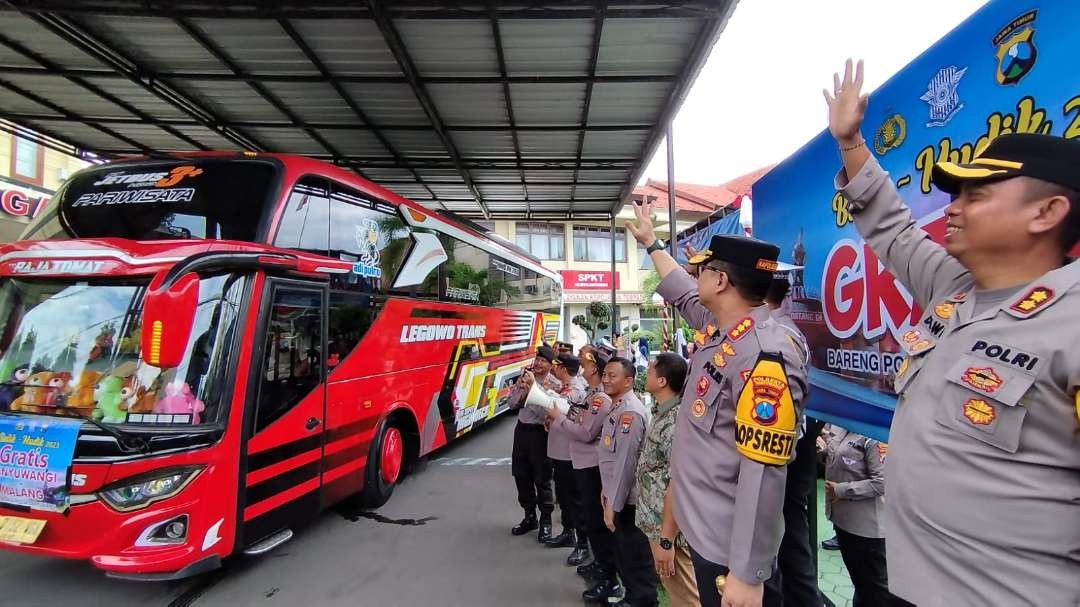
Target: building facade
x=30, y=173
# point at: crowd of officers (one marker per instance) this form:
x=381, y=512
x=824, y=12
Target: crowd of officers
x=983, y=466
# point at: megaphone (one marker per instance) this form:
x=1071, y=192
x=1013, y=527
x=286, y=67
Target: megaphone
x=538, y=397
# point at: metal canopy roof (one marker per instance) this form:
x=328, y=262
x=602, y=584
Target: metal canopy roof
x=497, y=109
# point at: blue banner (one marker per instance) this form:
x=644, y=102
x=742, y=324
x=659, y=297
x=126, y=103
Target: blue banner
x=35, y=454
x=1010, y=67
x=698, y=237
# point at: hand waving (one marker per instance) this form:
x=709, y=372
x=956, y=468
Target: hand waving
x=643, y=232
x=847, y=105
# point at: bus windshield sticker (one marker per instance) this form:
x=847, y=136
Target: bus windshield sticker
x=368, y=236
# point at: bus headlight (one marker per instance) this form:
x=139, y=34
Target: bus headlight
x=140, y=491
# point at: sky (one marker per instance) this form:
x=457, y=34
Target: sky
x=758, y=98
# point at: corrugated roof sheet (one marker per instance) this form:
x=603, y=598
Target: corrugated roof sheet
x=471, y=106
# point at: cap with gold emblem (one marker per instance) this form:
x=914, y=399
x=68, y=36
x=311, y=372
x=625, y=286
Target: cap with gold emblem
x=1044, y=157
x=740, y=251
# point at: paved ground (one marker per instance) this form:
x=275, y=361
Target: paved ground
x=443, y=539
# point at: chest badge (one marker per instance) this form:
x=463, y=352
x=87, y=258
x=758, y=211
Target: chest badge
x=607, y=440
x=727, y=348
x=911, y=336
x=719, y=360
x=983, y=379
x=697, y=409
x=903, y=368
x=702, y=385
x=979, y=412
x=944, y=311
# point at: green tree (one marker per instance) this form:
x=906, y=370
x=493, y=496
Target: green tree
x=463, y=276
x=649, y=285
x=595, y=319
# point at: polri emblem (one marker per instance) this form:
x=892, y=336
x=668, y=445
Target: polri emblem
x=1016, y=52
x=625, y=422
x=942, y=95
x=702, y=385
x=983, y=379
x=944, y=311
x=698, y=408
x=979, y=412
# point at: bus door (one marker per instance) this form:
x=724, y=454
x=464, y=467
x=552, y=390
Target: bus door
x=284, y=451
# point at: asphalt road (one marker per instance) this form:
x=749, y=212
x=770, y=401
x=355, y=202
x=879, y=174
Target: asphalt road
x=442, y=540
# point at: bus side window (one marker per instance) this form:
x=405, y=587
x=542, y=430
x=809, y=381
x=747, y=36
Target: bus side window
x=305, y=224
x=292, y=357
x=351, y=314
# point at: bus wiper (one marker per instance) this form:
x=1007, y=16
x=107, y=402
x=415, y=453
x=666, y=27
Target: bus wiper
x=130, y=441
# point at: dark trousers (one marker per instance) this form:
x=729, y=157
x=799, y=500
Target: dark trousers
x=864, y=558
x=798, y=575
x=636, y=567
x=600, y=538
x=568, y=496
x=706, y=572
x=531, y=468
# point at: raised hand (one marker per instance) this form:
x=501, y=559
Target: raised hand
x=847, y=105
x=643, y=230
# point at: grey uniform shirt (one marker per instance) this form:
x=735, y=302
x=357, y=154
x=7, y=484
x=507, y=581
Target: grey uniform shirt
x=583, y=425
x=620, y=443
x=983, y=473
x=558, y=443
x=857, y=465
x=531, y=415
x=729, y=507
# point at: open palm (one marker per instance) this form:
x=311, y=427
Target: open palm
x=847, y=104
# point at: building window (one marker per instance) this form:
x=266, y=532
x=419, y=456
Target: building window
x=543, y=240
x=644, y=259
x=27, y=159
x=593, y=243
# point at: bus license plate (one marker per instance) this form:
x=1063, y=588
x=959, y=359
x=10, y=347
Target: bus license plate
x=19, y=530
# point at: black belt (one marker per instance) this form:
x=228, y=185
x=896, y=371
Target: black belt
x=531, y=427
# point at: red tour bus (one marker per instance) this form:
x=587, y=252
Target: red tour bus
x=249, y=339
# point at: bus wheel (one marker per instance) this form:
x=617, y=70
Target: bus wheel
x=384, y=464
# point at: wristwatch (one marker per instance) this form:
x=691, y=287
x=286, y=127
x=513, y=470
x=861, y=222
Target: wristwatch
x=665, y=544
x=657, y=245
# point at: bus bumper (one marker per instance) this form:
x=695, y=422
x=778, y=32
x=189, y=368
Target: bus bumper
x=116, y=542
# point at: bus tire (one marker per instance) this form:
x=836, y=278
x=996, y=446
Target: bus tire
x=385, y=464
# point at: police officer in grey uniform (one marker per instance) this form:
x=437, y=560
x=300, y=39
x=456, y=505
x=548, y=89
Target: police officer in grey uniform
x=855, y=503
x=529, y=461
x=566, y=369
x=983, y=473
x=583, y=425
x=620, y=444
x=738, y=419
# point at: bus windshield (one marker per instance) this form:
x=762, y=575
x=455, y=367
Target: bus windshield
x=71, y=349
x=214, y=198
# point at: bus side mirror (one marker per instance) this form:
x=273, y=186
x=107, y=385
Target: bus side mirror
x=167, y=317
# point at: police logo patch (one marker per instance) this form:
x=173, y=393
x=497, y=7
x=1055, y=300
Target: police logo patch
x=625, y=422
x=882, y=450
x=765, y=416
x=727, y=348
x=739, y=330
x=698, y=408
x=979, y=412
x=1033, y=301
x=1016, y=52
x=944, y=311
x=719, y=360
x=595, y=404
x=983, y=379
x=702, y=385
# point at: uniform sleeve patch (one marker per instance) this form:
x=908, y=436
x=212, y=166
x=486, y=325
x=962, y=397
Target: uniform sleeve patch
x=595, y=404
x=1033, y=301
x=765, y=416
x=626, y=421
x=882, y=449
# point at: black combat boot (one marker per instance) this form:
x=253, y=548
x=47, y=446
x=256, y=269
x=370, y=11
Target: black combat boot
x=581, y=551
x=545, y=528
x=605, y=589
x=526, y=525
x=564, y=540
x=592, y=570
